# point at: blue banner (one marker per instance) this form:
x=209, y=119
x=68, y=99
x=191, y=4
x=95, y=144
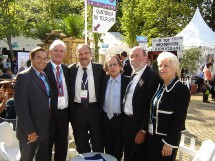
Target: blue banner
x=142, y=39
x=108, y=4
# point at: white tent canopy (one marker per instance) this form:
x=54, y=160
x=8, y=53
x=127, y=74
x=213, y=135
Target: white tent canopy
x=197, y=33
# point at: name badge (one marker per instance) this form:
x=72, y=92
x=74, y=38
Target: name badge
x=83, y=93
x=150, y=128
x=61, y=101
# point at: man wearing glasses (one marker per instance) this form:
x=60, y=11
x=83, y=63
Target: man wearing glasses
x=32, y=99
x=113, y=89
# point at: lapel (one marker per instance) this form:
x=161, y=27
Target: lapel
x=141, y=82
x=74, y=73
x=36, y=78
x=66, y=76
x=95, y=77
x=51, y=74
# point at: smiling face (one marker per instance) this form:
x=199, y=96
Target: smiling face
x=58, y=53
x=84, y=55
x=39, y=60
x=166, y=71
x=113, y=67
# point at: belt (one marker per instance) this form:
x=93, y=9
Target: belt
x=129, y=116
x=117, y=114
x=93, y=103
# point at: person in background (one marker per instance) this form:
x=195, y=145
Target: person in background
x=32, y=102
x=14, y=65
x=113, y=90
x=85, y=84
x=142, y=85
x=206, y=86
x=7, y=74
x=3, y=100
x=127, y=70
x=59, y=83
x=168, y=110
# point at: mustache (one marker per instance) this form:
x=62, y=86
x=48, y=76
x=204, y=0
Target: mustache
x=84, y=59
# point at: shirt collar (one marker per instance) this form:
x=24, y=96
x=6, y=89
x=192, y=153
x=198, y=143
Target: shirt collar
x=89, y=67
x=118, y=78
x=140, y=72
x=55, y=65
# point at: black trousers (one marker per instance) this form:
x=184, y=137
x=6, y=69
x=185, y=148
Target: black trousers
x=112, y=133
x=87, y=128
x=133, y=151
x=155, y=146
x=37, y=150
x=59, y=135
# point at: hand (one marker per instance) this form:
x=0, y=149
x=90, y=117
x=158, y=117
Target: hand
x=140, y=137
x=32, y=137
x=167, y=150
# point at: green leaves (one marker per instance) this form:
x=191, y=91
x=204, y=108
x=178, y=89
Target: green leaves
x=191, y=59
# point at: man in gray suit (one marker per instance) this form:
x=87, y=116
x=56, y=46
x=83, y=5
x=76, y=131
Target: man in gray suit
x=32, y=100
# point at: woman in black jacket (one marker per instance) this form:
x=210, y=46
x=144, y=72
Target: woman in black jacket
x=168, y=110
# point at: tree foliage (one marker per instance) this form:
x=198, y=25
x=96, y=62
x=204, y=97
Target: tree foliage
x=190, y=59
x=155, y=18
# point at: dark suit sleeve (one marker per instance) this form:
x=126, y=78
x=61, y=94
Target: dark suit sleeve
x=180, y=113
x=22, y=104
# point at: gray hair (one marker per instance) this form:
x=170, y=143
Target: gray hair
x=172, y=58
x=56, y=43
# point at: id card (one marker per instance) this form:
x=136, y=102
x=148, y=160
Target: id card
x=61, y=101
x=150, y=128
x=83, y=94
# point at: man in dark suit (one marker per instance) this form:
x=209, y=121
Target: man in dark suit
x=32, y=100
x=58, y=78
x=139, y=92
x=85, y=81
x=127, y=70
x=113, y=89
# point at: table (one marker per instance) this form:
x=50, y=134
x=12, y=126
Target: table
x=80, y=157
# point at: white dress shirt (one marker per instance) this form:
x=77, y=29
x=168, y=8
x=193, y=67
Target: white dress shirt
x=91, y=84
x=64, y=85
x=128, y=107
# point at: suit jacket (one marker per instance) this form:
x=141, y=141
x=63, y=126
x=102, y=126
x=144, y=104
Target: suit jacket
x=32, y=105
x=53, y=86
x=171, y=112
x=143, y=93
x=98, y=74
x=124, y=83
x=127, y=70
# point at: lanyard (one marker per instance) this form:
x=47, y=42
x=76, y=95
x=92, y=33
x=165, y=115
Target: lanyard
x=59, y=79
x=84, y=83
x=155, y=101
x=46, y=84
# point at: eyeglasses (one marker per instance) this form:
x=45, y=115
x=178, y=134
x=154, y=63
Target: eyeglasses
x=112, y=65
x=38, y=58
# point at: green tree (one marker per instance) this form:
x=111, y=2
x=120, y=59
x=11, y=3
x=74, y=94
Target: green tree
x=132, y=20
x=155, y=18
x=11, y=21
x=208, y=13
x=190, y=59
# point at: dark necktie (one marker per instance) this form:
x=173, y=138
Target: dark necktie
x=59, y=82
x=42, y=81
x=129, y=86
x=84, y=86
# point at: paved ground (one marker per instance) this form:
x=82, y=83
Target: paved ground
x=200, y=122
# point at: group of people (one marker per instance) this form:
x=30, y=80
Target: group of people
x=140, y=113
